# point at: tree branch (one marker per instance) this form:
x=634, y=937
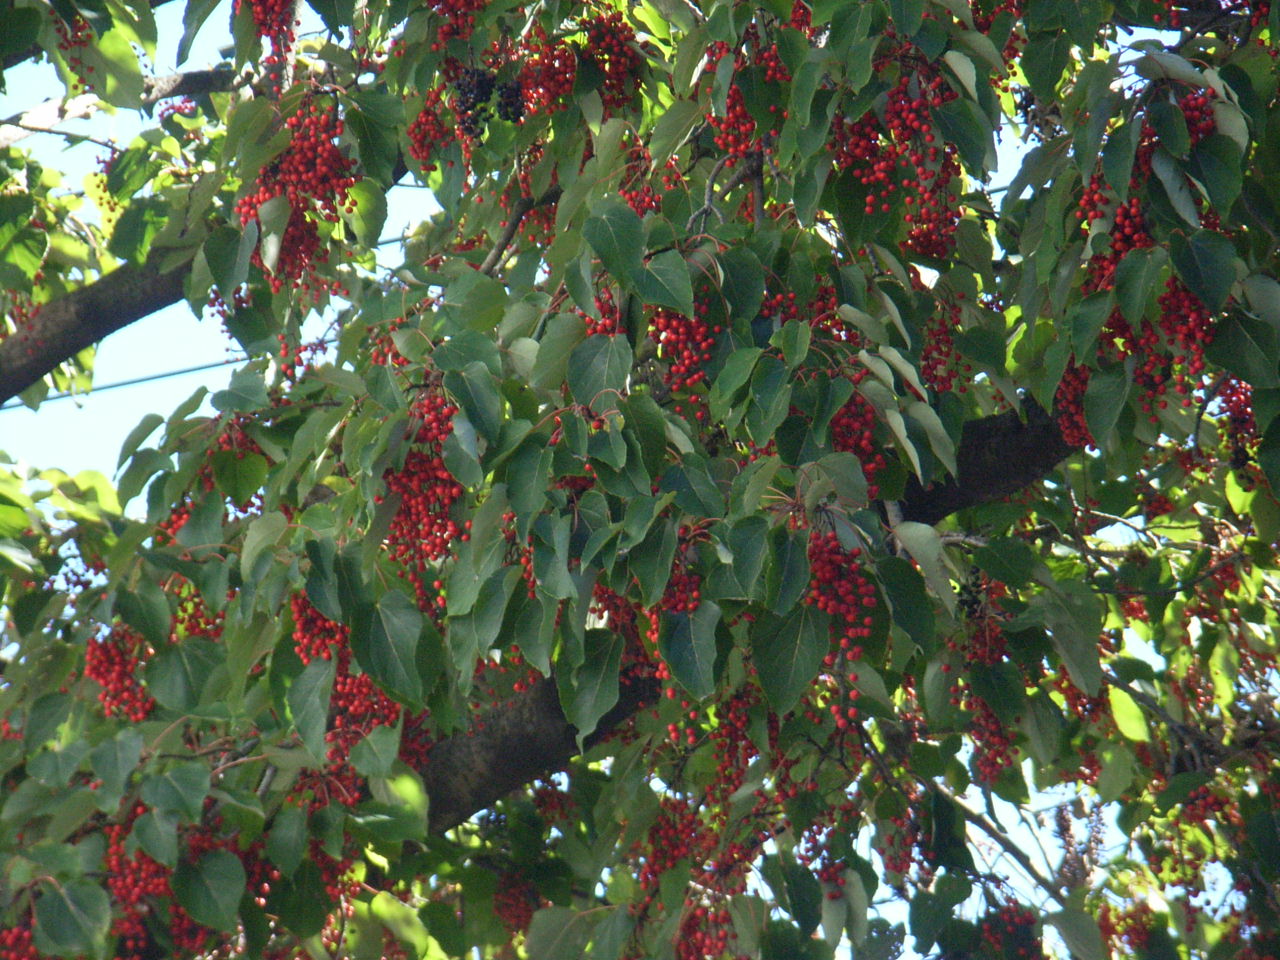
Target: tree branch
x=514, y=744
x=66, y=326
x=521, y=209
x=997, y=456
x=45, y=117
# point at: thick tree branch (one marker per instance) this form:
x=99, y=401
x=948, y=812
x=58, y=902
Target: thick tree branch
x=66, y=326
x=516, y=743
x=997, y=456
x=45, y=117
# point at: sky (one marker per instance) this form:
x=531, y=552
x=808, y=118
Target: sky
x=86, y=433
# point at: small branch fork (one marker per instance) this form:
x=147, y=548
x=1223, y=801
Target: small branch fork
x=521, y=209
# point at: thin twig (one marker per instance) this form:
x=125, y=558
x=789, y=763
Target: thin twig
x=521, y=209
x=1009, y=847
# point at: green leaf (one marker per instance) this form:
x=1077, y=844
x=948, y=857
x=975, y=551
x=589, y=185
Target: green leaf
x=239, y=476
x=366, y=211
x=598, y=371
x=688, y=645
x=1206, y=263
x=72, y=918
x=788, y=575
x=389, y=823
x=1044, y=61
x=263, y=534
x=113, y=761
x=146, y=609
x=1072, y=612
x=193, y=17
x=287, y=841
x=1215, y=163
x=246, y=392
x=1248, y=348
x=210, y=889
x=180, y=790
x=743, y=284
x=1080, y=933
x=1128, y=715
x=19, y=30
x=787, y=654
x=1008, y=560
x=1104, y=401
x=1136, y=282
x=558, y=933
x=388, y=649
x=925, y=546
x=308, y=700
x=615, y=234
x=595, y=683
x=473, y=388
x=912, y=609
x=962, y=123
x=176, y=676
x=1087, y=320
x=228, y=255
x=376, y=753
x=665, y=282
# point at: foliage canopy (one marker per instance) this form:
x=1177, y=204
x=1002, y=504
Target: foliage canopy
x=732, y=520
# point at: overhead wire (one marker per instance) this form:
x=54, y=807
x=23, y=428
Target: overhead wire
x=133, y=382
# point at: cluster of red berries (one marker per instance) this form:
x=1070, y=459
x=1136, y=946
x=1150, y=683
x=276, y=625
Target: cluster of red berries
x=686, y=344
x=1068, y=406
x=17, y=943
x=902, y=155
x=609, y=323
x=1011, y=931
x=459, y=18
x=853, y=431
x=315, y=636
x=637, y=188
x=736, y=130
x=941, y=366
x=611, y=45
x=314, y=176
x=429, y=133
x=113, y=661
x=274, y=22
x=549, y=68
x=423, y=532
x=74, y=35
x=515, y=901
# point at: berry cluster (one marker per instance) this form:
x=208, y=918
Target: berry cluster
x=275, y=23
x=429, y=134
x=686, y=344
x=74, y=34
x=901, y=156
x=510, y=106
x=548, y=72
x=113, y=662
x=853, y=431
x=611, y=45
x=422, y=532
x=459, y=20
x=472, y=91
x=515, y=901
x=1011, y=932
x=313, y=176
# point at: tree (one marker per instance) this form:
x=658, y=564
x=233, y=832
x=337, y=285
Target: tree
x=743, y=520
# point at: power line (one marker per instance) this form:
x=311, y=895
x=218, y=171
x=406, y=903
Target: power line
x=15, y=404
